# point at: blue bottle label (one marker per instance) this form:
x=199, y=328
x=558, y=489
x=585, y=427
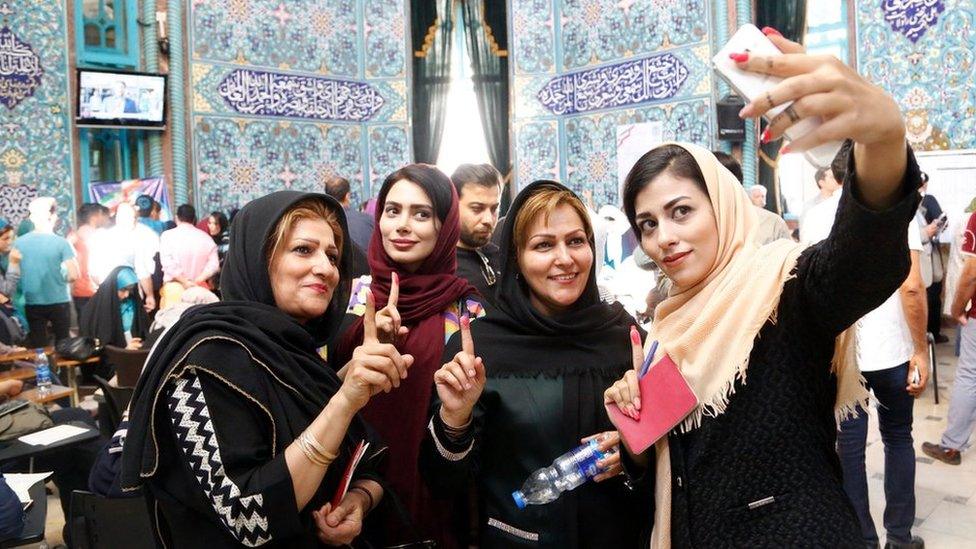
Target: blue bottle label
x=586, y=457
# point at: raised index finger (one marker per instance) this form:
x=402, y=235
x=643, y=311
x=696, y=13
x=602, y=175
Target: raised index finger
x=636, y=348
x=467, y=342
x=369, y=319
x=394, y=290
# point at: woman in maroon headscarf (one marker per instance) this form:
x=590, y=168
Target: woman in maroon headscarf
x=412, y=262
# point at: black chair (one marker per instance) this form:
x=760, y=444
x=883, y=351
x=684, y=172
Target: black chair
x=127, y=363
x=116, y=401
x=934, y=364
x=98, y=522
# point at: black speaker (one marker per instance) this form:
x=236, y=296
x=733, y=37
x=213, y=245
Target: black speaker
x=730, y=126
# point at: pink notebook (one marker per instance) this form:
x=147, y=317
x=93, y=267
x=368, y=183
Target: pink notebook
x=666, y=399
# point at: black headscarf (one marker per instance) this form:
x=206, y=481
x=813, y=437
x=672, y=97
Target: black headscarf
x=295, y=374
x=101, y=317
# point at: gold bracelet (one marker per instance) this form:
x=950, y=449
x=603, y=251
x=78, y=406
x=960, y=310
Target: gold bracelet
x=318, y=447
x=310, y=453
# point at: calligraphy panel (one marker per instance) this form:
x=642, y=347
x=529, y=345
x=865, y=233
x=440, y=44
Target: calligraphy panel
x=35, y=142
x=923, y=52
x=654, y=78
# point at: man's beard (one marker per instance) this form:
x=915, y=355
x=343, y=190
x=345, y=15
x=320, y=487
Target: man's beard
x=474, y=240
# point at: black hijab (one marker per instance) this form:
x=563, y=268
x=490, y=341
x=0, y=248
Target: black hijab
x=295, y=374
x=101, y=317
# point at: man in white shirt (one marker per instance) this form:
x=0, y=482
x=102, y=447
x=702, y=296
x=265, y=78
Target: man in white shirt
x=818, y=218
x=187, y=254
x=891, y=348
x=824, y=178
x=128, y=243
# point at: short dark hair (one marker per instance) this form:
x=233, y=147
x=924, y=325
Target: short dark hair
x=838, y=167
x=484, y=175
x=89, y=209
x=186, y=213
x=819, y=176
x=337, y=187
x=672, y=158
x=730, y=163
x=144, y=205
x=434, y=182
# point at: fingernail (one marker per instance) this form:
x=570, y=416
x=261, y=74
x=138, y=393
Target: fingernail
x=746, y=111
x=785, y=149
x=634, y=335
x=637, y=403
x=771, y=31
x=636, y=416
x=471, y=373
x=765, y=136
x=739, y=57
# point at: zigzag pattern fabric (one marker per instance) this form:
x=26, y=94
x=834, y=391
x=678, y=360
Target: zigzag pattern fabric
x=243, y=516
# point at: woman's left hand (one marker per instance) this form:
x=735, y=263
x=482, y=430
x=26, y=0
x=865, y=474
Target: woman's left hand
x=341, y=525
x=610, y=445
x=823, y=86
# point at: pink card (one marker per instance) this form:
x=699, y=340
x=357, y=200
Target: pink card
x=666, y=399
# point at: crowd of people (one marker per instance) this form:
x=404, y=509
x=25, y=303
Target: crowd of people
x=322, y=375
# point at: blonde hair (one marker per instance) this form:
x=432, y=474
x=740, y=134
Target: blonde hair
x=308, y=208
x=543, y=202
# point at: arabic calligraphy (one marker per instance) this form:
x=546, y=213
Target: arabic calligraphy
x=912, y=17
x=650, y=79
x=255, y=92
x=20, y=69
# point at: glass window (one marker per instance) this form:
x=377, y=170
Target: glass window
x=110, y=32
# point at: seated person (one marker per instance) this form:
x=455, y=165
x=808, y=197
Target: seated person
x=11, y=512
x=115, y=315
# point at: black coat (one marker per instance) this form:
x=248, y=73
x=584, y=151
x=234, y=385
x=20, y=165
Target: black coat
x=777, y=437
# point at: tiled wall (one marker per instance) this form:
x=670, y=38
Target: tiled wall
x=35, y=142
x=924, y=53
x=580, y=68
x=287, y=93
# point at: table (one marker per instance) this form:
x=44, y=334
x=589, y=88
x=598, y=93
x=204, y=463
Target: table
x=18, y=373
x=55, y=363
x=57, y=393
x=15, y=449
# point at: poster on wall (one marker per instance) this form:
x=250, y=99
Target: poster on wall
x=113, y=193
x=20, y=69
x=633, y=141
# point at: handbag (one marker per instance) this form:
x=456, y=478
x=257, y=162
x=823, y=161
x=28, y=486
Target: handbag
x=78, y=348
x=23, y=421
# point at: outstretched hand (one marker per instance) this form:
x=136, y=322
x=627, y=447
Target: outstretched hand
x=460, y=382
x=387, y=320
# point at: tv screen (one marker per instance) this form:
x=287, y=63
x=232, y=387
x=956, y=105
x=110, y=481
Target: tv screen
x=124, y=99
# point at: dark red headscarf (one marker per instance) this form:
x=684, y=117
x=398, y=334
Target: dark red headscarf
x=400, y=416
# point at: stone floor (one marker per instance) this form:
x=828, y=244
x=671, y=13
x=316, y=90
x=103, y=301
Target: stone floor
x=945, y=495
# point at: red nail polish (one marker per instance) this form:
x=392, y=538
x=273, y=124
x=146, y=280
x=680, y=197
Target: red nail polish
x=739, y=57
x=634, y=335
x=785, y=149
x=771, y=31
x=765, y=136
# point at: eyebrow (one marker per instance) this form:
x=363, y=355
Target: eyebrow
x=550, y=235
x=412, y=206
x=671, y=203
x=307, y=239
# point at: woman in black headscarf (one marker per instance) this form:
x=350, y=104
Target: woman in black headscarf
x=237, y=427
x=544, y=354
x=114, y=315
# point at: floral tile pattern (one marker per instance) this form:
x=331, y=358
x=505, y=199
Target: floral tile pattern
x=924, y=53
x=247, y=144
x=35, y=143
x=582, y=67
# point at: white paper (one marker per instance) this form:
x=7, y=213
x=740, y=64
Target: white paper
x=52, y=435
x=20, y=483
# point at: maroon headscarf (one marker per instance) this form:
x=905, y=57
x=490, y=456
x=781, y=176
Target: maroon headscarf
x=400, y=416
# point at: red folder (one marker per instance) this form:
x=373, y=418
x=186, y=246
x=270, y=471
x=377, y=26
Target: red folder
x=666, y=399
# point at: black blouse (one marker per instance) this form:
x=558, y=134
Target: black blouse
x=766, y=472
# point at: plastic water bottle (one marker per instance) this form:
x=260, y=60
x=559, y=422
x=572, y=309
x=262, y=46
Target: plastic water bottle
x=567, y=472
x=42, y=373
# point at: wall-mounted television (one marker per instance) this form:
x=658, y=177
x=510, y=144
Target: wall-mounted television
x=121, y=99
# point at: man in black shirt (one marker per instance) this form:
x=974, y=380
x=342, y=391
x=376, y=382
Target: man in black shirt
x=479, y=188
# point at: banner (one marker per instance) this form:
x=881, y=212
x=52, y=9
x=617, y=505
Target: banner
x=113, y=193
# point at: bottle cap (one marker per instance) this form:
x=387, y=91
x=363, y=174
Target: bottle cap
x=519, y=499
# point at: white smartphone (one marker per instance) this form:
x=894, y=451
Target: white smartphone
x=916, y=377
x=751, y=85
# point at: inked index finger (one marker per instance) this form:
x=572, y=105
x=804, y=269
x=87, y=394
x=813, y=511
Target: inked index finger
x=467, y=342
x=394, y=290
x=636, y=348
x=369, y=319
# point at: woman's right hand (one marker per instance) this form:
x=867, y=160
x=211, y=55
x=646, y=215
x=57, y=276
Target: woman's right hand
x=625, y=392
x=461, y=381
x=15, y=256
x=374, y=366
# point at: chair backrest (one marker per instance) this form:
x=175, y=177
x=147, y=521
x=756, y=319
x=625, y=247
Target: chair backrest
x=98, y=522
x=128, y=363
x=116, y=400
